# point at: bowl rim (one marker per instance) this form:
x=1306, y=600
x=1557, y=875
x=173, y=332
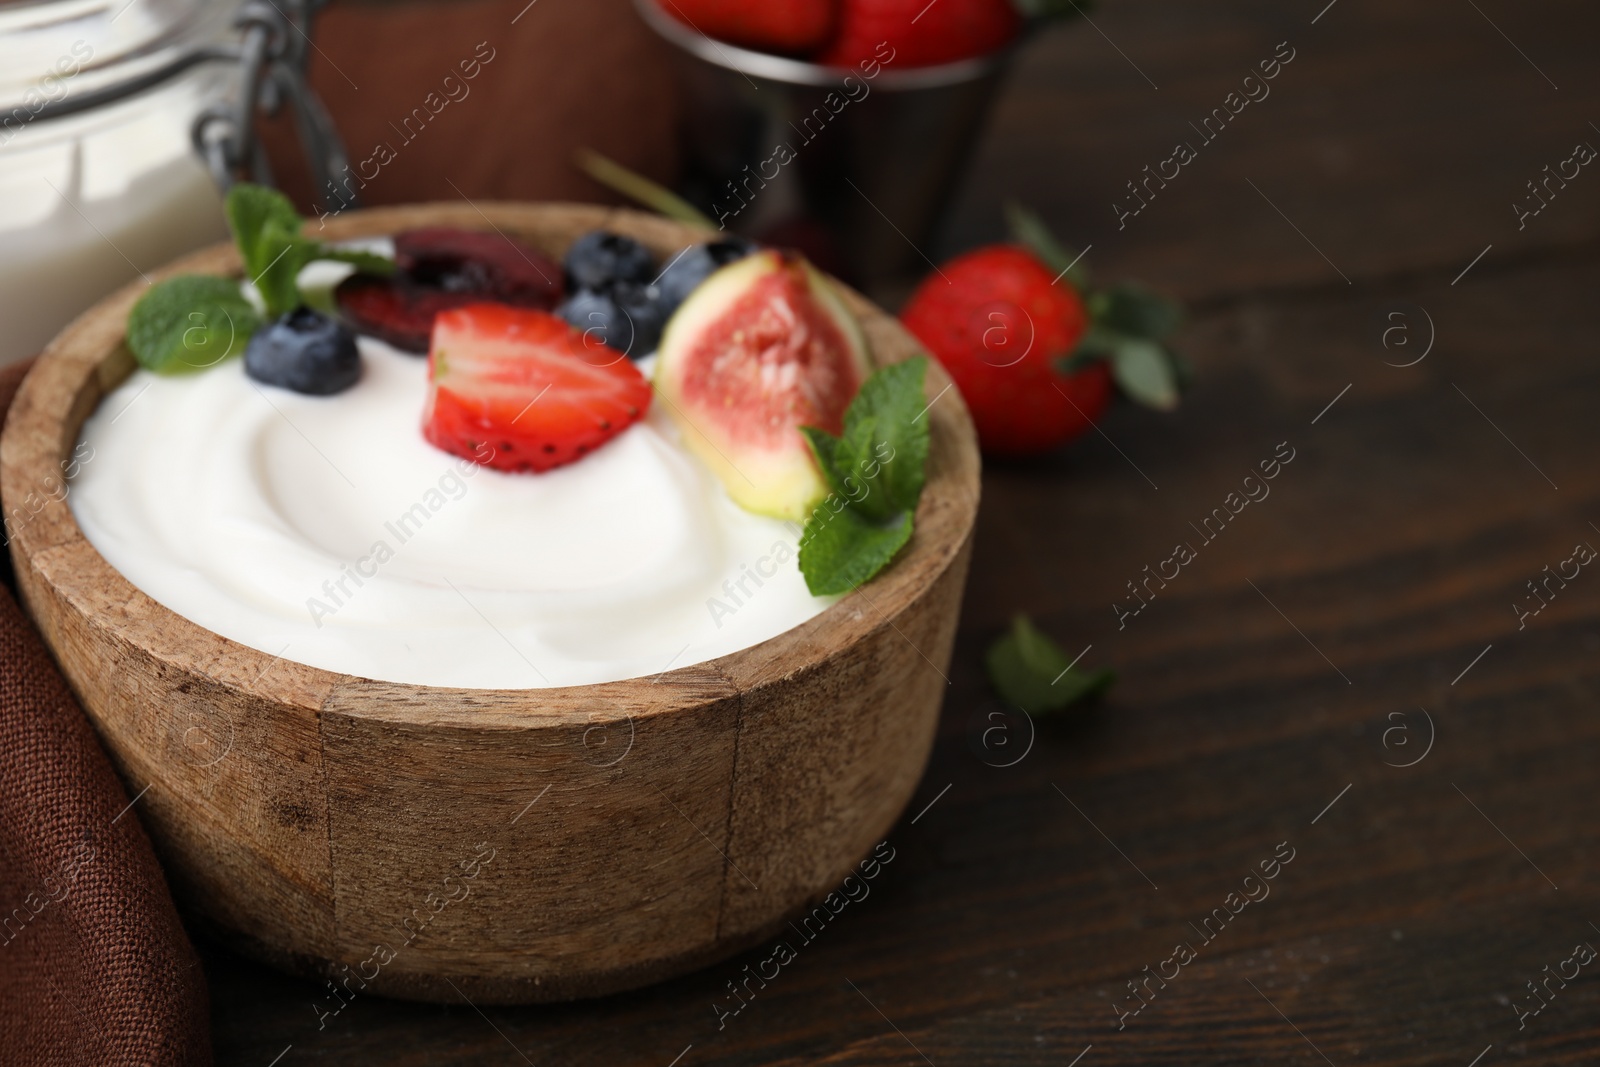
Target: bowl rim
x=89, y=359
x=791, y=71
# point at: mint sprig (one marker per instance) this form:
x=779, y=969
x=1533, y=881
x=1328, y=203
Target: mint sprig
x=1129, y=324
x=190, y=322
x=876, y=470
x=195, y=321
x=266, y=228
x=1031, y=671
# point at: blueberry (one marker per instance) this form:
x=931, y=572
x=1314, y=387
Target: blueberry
x=304, y=351
x=597, y=315
x=697, y=263
x=646, y=310
x=600, y=259
x=629, y=317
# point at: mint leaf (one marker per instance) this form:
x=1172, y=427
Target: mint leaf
x=284, y=254
x=365, y=262
x=266, y=228
x=251, y=209
x=858, y=472
x=876, y=472
x=1031, y=671
x=841, y=550
x=190, y=322
x=823, y=446
x=1134, y=310
x=886, y=438
x=1029, y=230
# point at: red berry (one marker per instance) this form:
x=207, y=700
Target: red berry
x=788, y=27
x=519, y=390
x=1000, y=324
x=920, y=34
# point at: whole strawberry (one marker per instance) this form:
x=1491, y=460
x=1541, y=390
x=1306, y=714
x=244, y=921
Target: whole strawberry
x=787, y=27
x=917, y=33
x=1037, y=355
x=1000, y=327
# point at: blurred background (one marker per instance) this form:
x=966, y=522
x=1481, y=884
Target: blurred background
x=1059, y=115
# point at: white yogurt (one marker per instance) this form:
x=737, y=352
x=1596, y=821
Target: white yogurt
x=327, y=531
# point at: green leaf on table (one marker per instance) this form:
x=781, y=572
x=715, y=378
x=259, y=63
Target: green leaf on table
x=1029, y=230
x=1132, y=309
x=841, y=550
x=876, y=472
x=189, y=323
x=1031, y=671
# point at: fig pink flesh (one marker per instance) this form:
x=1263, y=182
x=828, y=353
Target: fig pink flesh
x=773, y=361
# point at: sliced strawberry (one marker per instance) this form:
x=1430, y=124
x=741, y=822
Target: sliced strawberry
x=518, y=390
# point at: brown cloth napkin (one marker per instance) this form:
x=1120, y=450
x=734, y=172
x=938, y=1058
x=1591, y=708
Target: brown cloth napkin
x=94, y=966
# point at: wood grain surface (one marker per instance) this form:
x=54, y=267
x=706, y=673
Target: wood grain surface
x=1263, y=684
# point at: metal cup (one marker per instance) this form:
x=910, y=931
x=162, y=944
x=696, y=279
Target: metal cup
x=855, y=169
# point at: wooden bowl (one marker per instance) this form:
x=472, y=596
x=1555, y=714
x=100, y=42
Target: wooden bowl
x=515, y=845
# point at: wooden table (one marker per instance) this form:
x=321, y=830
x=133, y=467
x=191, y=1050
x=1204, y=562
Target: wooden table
x=1342, y=669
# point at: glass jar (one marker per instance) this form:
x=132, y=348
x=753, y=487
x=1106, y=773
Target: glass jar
x=100, y=178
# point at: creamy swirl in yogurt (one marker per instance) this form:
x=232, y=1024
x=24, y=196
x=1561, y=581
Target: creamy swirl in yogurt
x=327, y=531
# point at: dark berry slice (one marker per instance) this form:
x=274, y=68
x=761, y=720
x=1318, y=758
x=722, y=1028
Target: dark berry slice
x=600, y=259
x=697, y=263
x=471, y=261
x=395, y=310
x=439, y=268
x=305, y=351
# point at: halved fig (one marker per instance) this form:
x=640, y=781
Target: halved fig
x=438, y=268
x=762, y=347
